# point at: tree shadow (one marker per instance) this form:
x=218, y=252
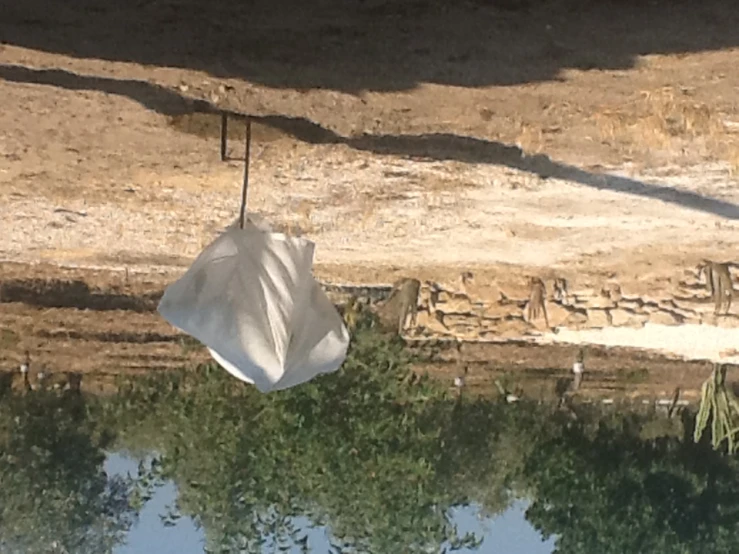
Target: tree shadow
x=381, y=45
x=73, y=294
x=153, y=97
x=130, y=337
x=430, y=146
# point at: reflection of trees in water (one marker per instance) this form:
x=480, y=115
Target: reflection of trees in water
x=54, y=494
x=380, y=457
x=357, y=450
x=609, y=492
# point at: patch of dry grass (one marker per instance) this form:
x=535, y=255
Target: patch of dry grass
x=529, y=138
x=369, y=202
x=731, y=155
x=299, y=217
x=668, y=121
x=431, y=191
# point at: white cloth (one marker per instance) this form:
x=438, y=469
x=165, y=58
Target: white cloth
x=251, y=298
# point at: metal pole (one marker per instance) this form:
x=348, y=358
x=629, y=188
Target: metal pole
x=224, y=135
x=245, y=187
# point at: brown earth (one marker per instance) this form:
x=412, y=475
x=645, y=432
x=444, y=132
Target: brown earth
x=593, y=140
x=101, y=326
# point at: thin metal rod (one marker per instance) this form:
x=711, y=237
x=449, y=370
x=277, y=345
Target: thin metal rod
x=224, y=135
x=245, y=187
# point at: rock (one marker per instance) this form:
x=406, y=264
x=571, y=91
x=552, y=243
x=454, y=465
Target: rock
x=580, y=301
x=599, y=318
x=677, y=309
x=537, y=325
x=631, y=303
x=705, y=307
x=709, y=318
x=685, y=305
x=582, y=294
x=729, y=321
x=637, y=322
x=454, y=303
x=431, y=323
x=621, y=317
x=666, y=318
x=488, y=293
x=628, y=318
x=651, y=307
x=576, y=320
x=498, y=311
x=693, y=319
x=467, y=332
x=489, y=335
x=513, y=328
x=515, y=291
x=577, y=315
x=612, y=291
x=651, y=301
x=456, y=320
x=490, y=323
x=599, y=301
x=557, y=313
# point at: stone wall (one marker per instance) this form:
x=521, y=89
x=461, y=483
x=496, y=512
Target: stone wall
x=497, y=309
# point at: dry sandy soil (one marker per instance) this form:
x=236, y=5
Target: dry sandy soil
x=598, y=141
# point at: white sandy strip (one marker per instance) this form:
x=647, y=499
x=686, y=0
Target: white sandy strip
x=690, y=342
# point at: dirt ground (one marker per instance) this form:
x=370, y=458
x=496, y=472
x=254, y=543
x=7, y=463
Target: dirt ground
x=102, y=326
x=593, y=140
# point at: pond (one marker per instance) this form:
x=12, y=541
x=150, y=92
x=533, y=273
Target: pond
x=371, y=459
x=507, y=532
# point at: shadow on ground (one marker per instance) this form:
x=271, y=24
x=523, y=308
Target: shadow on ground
x=73, y=294
x=354, y=45
x=130, y=337
x=200, y=117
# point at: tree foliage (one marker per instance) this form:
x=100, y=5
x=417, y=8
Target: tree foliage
x=614, y=493
x=376, y=454
x=719, y=404
x=54, y=493
x=358, y=448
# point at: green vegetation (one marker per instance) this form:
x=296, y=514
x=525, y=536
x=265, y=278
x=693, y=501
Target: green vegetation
x=190, y=344
x=54, y=494
x=8, y=338
x=609, y=492
x=633, y=375
x=357, y=449
x=373, y=452
x=721, y=406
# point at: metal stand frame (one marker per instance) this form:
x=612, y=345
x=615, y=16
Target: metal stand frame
x=247, y=153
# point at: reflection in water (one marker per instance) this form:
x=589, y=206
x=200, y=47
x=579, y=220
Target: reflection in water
x=509, y=532
x=153, y=533
x=371, y=459
x=54, y=496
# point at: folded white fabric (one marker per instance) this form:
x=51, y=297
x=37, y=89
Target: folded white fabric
x=251, y=298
